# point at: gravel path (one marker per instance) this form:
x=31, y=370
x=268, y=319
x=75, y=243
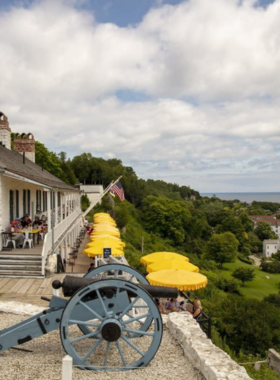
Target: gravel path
x=45, y=361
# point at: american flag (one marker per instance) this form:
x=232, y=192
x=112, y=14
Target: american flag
x=117, y=189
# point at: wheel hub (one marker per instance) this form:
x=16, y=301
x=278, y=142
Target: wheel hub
x=111, y=330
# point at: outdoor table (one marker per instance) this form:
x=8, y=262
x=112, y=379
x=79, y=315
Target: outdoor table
x=33, y=232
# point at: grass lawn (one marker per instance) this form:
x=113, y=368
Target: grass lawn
x=260, y=287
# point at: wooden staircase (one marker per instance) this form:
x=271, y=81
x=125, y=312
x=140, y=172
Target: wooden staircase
x=20, y=265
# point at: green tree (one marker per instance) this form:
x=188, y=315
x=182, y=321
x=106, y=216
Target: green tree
x=121, y=214
x=48, y=160
x=167, y=218
x=68, y=173
x=246, y=221
x=234, y=225
x=85, y=202
x=244, y=274
x=264, y=231
x=247, y=325
x=222, y=248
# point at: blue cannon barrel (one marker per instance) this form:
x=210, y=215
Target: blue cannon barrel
x=71, y=284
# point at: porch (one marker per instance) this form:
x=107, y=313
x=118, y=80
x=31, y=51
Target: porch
x=30, y=262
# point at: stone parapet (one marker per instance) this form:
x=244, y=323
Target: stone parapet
x=274, y=360
x=211, y=361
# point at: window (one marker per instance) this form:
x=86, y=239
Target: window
x=45, y=201
x=52, y=200
x=24, y=202
x=28, y=202
x=38, y=200
x=11, y=205
x=17, y=203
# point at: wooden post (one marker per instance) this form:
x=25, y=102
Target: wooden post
x=67, y=363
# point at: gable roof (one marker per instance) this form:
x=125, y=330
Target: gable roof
x=12, y=162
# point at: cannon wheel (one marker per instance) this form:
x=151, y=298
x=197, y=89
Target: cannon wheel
x=103, y=271
x=111, y=323
x=113, y=271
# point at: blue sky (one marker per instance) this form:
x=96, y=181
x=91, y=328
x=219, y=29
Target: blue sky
x=183, y=91
x=119, y=12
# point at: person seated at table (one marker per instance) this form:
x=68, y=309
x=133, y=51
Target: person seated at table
x=172, y=305
x=37, y=222
x=160, y=306
x=44, y=219
x=26, y=221
x=17, y=236
x=184, y=305
x=197, y=309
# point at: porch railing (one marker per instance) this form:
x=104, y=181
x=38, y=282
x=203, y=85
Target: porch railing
x=55, y=236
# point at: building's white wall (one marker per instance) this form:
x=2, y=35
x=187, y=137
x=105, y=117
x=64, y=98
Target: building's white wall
x=276, y=229
x=91, y=189
x=93, y=197
x=30, y=156
x=12, y=184
x=270, y=248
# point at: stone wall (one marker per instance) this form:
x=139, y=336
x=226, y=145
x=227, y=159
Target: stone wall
x=210, y=360
x=274, y=361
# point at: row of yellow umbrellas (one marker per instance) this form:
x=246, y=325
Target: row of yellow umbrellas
x=173, y=269
x=105, y=235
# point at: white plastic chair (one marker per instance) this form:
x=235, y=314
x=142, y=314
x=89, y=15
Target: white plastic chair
x=28, y=240
x=11, y=241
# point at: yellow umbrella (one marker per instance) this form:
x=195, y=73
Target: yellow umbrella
x=101, y=216
x=107, y=232
x=104, y=226
x=95, y=251
x=152, y=257
x=105, y=221
x=181, y=279
x=105, y=243
x=174, y=263
x=105, y=236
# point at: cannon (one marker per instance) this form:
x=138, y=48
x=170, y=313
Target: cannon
x=108, y=323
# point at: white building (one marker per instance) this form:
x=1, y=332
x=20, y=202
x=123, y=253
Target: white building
x=275, y=226
x=26, y=188
x=271, y=219
x=93, y=192
x=270, y=246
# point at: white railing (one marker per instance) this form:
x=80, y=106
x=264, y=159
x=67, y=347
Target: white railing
x=54, y=236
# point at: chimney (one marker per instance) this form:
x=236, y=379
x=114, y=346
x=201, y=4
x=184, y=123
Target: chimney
x=5, y=131
x=25, y=143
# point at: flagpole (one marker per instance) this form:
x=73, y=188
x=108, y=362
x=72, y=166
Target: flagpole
x=102, y=195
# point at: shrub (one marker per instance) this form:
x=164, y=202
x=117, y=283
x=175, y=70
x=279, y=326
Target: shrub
x=270, y=266
x=227, y=285
x=245, y=259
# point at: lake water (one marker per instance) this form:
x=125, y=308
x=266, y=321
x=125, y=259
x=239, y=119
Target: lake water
x=246, y=197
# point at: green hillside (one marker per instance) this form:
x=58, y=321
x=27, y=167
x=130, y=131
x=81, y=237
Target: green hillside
x=262, y=285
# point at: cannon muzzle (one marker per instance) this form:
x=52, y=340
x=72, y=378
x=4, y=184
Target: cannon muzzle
x=71, y=284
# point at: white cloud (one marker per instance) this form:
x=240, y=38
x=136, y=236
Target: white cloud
x=209, y=71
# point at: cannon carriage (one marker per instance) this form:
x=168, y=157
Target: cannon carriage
x=110, y=322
